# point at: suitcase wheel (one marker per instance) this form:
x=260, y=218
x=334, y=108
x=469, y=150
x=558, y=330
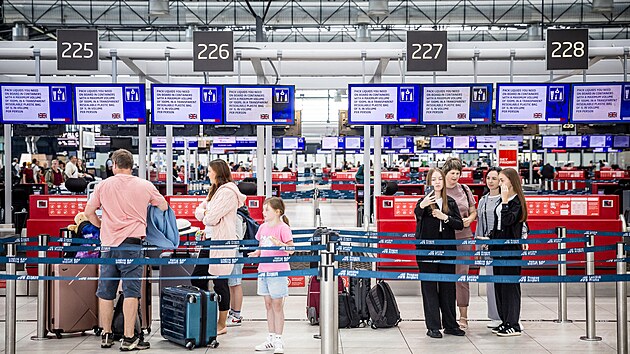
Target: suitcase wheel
x=190, y=345
x=214, y=344
x=58, y=334
x=192, y=299
x=98, y=331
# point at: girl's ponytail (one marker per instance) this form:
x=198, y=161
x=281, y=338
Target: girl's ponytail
x=285, y=219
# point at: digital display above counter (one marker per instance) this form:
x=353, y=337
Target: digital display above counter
x=456, y=104
x=234, y=143
x=259, y=104
x=109, y=104
x=383, y=104
x=186, y=104
x=289, y=143
x=36, y=103
x=532, y=103
x=601, y=103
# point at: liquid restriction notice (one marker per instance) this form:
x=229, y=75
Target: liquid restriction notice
x=374, y=105
x=248, y=105
x=596, y=103
x=19, y=102
x=523, y=103
x=446, y=104
x=176, y=105
x=106, y=104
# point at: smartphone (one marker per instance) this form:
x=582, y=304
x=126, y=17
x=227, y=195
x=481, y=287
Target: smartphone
x=428, y=189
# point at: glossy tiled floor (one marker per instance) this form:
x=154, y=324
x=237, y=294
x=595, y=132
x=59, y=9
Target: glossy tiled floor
x=541, y=334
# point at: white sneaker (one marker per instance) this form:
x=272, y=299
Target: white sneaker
x=266, y=346
x=494, y=323
x=278, y=347
x=233, y=321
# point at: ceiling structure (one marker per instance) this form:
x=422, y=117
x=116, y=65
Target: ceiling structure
x=317, y=20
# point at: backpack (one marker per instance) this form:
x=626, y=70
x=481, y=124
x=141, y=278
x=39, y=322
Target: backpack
x=382, y=306
x=118, y=321
x=348, y=314
x=359, y=288
x=250, y=226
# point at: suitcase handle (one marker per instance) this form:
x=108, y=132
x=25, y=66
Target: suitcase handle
x=213, y=296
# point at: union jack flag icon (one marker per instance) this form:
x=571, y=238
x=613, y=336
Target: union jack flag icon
x=115, y=115
x=389, y=115
x=42, y=115
x=192, y=116
x=264, y=116
x=537, y=115
x=612, y=114
x=461, y=115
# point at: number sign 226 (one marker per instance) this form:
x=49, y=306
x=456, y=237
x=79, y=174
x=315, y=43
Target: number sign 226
x=213, y=51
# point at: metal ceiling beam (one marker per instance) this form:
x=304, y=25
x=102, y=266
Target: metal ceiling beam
x=258, y=68
x=380, y=69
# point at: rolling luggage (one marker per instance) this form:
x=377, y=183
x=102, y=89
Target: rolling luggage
x=312, y=299
x=175, y=270
x=189, y=316
x=72, y=304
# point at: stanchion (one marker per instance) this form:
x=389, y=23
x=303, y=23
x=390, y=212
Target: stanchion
x=10, y=305
x=590, y=294
x=622, y=304
x=42, y=292
x=561, y=232
x=317, y=217
x=328, y=293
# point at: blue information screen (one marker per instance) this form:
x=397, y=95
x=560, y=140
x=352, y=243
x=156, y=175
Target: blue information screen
x=186, y=104
x=621, y=141
x=110, y=104
x=456, y=104
x=289, y=143
x=601, y=103
x=259, y=104
x=533, y=103
x=600, y=141
x=36, y=103
x=383, y=104
x=234, y=143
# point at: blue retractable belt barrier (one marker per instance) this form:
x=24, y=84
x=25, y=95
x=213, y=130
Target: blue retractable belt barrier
x=160, y=261
x=440, y=253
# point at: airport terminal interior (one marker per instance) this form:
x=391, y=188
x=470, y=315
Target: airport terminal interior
x=354, y=113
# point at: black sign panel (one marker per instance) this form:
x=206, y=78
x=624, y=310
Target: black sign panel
x=567, y=49
x=426, y=51
x=77, y=49
x=213, y=51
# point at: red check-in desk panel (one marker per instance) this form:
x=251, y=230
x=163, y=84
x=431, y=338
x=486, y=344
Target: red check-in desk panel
x=184, y=207
x=239, y=176
x=47, y=215
x=342, y=180
x=565, y=180
x=285, y=177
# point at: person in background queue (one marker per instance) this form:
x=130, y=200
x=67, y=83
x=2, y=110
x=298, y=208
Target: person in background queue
x=71, y=170
x=488, y=205
x=54, y=176
x=508, y=224
x=466, y=204
x=437, y=218
x=123, y=199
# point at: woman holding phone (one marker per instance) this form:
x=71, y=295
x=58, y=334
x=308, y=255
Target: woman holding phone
x=508, y=224
x=437, y=218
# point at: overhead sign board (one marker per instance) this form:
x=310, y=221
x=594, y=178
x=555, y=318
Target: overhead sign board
x=383, y=104
x=533, y=103
x=567, y=49
x=77, y=49
x=289, y=143
x=36, y=103
x=601, y=103
x=456, y=104
x=213, y=51
x=259, y=104
x=186, y=104
x=109, y=104
x=427, y=51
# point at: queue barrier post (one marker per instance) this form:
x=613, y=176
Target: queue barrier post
x=42, y=292
x=591, y=334
x=328, y=295
x=10, y=303
x=622, y=304
x=561, y=233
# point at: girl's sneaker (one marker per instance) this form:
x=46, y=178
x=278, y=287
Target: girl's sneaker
x=278, y=346
x=266, y=346
x=509, y=331
x=234, y=321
